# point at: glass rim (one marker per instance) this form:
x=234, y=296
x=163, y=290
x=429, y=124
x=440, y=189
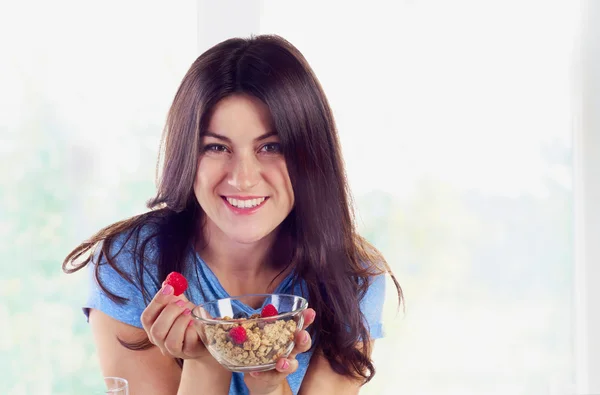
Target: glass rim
x=120, y=381
x=303, y=306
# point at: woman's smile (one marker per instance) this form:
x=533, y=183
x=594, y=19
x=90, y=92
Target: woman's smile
x=244, y=205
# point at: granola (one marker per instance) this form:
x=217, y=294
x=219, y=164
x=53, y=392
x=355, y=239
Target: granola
x=258, y=343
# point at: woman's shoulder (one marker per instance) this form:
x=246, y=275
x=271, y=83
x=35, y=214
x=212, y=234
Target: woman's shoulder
x=129, y=254
x=139, y=236
x=128, y=258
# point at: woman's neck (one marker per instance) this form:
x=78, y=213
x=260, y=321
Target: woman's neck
x=240, y=267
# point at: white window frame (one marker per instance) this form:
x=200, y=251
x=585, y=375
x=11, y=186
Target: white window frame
x=243, y=19
x=587, y=203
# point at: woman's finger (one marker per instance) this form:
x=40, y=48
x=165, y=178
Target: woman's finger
x=175, y=338
x=286, y=366
x=159, y=330
x=303, y=342
x=156, y=306
x=309, y=317
x=191, y=339
x=283, y=367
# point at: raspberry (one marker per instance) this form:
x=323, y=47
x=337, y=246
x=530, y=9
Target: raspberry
x=268, y=311
x=177, y=281
x=238, y=334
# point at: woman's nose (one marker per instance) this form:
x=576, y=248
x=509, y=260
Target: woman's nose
x=245, y=173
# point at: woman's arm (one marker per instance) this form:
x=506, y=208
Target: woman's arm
x=149, y=371
x=322, y=379
x=204, y=377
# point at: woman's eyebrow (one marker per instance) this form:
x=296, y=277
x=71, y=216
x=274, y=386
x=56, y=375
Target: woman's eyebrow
x=217, y=136
x=228, y=140
x=265, y=136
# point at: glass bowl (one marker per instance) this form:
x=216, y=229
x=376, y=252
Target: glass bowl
x=260, y=342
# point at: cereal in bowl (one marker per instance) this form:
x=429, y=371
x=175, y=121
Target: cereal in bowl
x=247, y=342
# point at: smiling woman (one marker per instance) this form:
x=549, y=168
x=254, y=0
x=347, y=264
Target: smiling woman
x=243, y=158
x=252, y=199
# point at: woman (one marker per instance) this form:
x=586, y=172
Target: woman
x=252, y=198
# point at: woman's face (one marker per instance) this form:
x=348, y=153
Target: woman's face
x=242, y=182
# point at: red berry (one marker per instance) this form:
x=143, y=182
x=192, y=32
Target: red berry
x=238, y=334
x=268, y=311
x=178, y=282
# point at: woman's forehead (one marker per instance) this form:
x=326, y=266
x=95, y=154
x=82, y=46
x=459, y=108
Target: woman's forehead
x=240, y=116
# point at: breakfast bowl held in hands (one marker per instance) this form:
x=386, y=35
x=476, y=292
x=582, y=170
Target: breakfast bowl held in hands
x=244, y=339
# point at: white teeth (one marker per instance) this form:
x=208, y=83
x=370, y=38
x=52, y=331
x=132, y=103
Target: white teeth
x=245, y=203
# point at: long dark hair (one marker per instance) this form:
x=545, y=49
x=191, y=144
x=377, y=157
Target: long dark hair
x=336, y=264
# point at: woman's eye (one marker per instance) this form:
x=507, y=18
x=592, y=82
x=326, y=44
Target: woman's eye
x=271, y=148
x=215, y=148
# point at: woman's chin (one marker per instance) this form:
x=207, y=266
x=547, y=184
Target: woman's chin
x=247, y=237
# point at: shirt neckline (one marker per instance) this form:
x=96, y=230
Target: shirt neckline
x=221, y=293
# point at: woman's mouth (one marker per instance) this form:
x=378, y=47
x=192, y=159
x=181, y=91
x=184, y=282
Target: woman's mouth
x=244, y=205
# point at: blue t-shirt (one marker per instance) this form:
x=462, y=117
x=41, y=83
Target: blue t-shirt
x=203, y=286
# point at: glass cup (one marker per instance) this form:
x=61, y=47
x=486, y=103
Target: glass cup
x=116, y=386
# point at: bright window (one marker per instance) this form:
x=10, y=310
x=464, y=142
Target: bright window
x=456, y=120
x=84, y=95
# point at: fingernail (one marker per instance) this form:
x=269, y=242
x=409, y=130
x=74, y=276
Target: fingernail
x=180, y=303
x=313, y=314
x=191, y=323
x=167, y=289
x=187, y=312
x=305, y=338
x=254, y=374
x=285, y=364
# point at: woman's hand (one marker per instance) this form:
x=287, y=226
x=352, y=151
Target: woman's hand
x=273, y=381
x=168, y=322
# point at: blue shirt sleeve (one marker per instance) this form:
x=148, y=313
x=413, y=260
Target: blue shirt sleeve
x=372, y=306
x=130, y=311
